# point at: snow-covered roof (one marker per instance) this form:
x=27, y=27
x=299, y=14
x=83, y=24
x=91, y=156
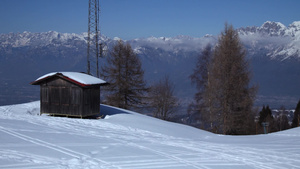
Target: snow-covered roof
x=81, y=79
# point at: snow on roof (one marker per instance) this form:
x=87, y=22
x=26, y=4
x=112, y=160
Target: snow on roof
x=79, y=78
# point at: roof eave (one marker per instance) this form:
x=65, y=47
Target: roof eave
x=37, y=82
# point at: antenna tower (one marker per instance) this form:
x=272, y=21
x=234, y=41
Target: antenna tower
x=94, y=48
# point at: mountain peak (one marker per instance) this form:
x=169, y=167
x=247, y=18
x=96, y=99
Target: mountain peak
x=273, y=24
x=295, y=24
x=273, y=28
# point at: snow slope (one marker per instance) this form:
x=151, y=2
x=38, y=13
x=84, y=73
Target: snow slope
x=126, y=139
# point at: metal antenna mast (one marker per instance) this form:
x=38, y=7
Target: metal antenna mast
x=94, y=50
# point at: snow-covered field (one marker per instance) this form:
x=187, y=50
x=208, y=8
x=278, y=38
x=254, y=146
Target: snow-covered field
x=130, y=140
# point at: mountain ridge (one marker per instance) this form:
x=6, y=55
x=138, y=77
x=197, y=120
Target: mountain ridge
x=288, y=44
x=274, y=58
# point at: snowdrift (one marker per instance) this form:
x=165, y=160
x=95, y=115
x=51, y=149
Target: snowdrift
x=125, y=139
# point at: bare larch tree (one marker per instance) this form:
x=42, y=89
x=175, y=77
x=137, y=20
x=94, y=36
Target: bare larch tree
x=124, y=73
x=163, y=102
x=229, y=96
x=197, y=109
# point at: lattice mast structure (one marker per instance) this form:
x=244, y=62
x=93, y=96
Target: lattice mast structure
x=94, y=48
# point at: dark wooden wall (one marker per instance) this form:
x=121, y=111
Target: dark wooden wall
x=91, y=101
x=60, y=97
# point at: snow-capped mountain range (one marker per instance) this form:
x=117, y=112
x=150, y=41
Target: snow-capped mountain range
x=274, y=50
x=280, y=40
x=273, y=29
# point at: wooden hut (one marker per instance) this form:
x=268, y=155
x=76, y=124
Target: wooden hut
x=69, y=94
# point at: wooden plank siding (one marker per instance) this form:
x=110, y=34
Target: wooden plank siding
x=91, y=99
x=60, y=97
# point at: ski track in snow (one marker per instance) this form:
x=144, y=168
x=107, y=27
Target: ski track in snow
x=60, y=149
x=110, y=145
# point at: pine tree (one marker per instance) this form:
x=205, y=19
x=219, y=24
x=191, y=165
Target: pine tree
x=228, y=95
x=296, y=119
x=265, y=115
x=125, y=76
x=262, y=115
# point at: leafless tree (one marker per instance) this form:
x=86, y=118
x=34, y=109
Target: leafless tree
x=124, y=73
x=162, y=99
x=228, y=95
x=199, y=78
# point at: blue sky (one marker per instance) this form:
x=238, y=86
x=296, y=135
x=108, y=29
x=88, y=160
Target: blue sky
x=129, y=19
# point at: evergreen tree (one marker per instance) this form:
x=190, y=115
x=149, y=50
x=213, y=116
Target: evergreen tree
x=296, y=118
x=125, y=76
x=228, y=95
x=265, y=115
x=262, y=115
